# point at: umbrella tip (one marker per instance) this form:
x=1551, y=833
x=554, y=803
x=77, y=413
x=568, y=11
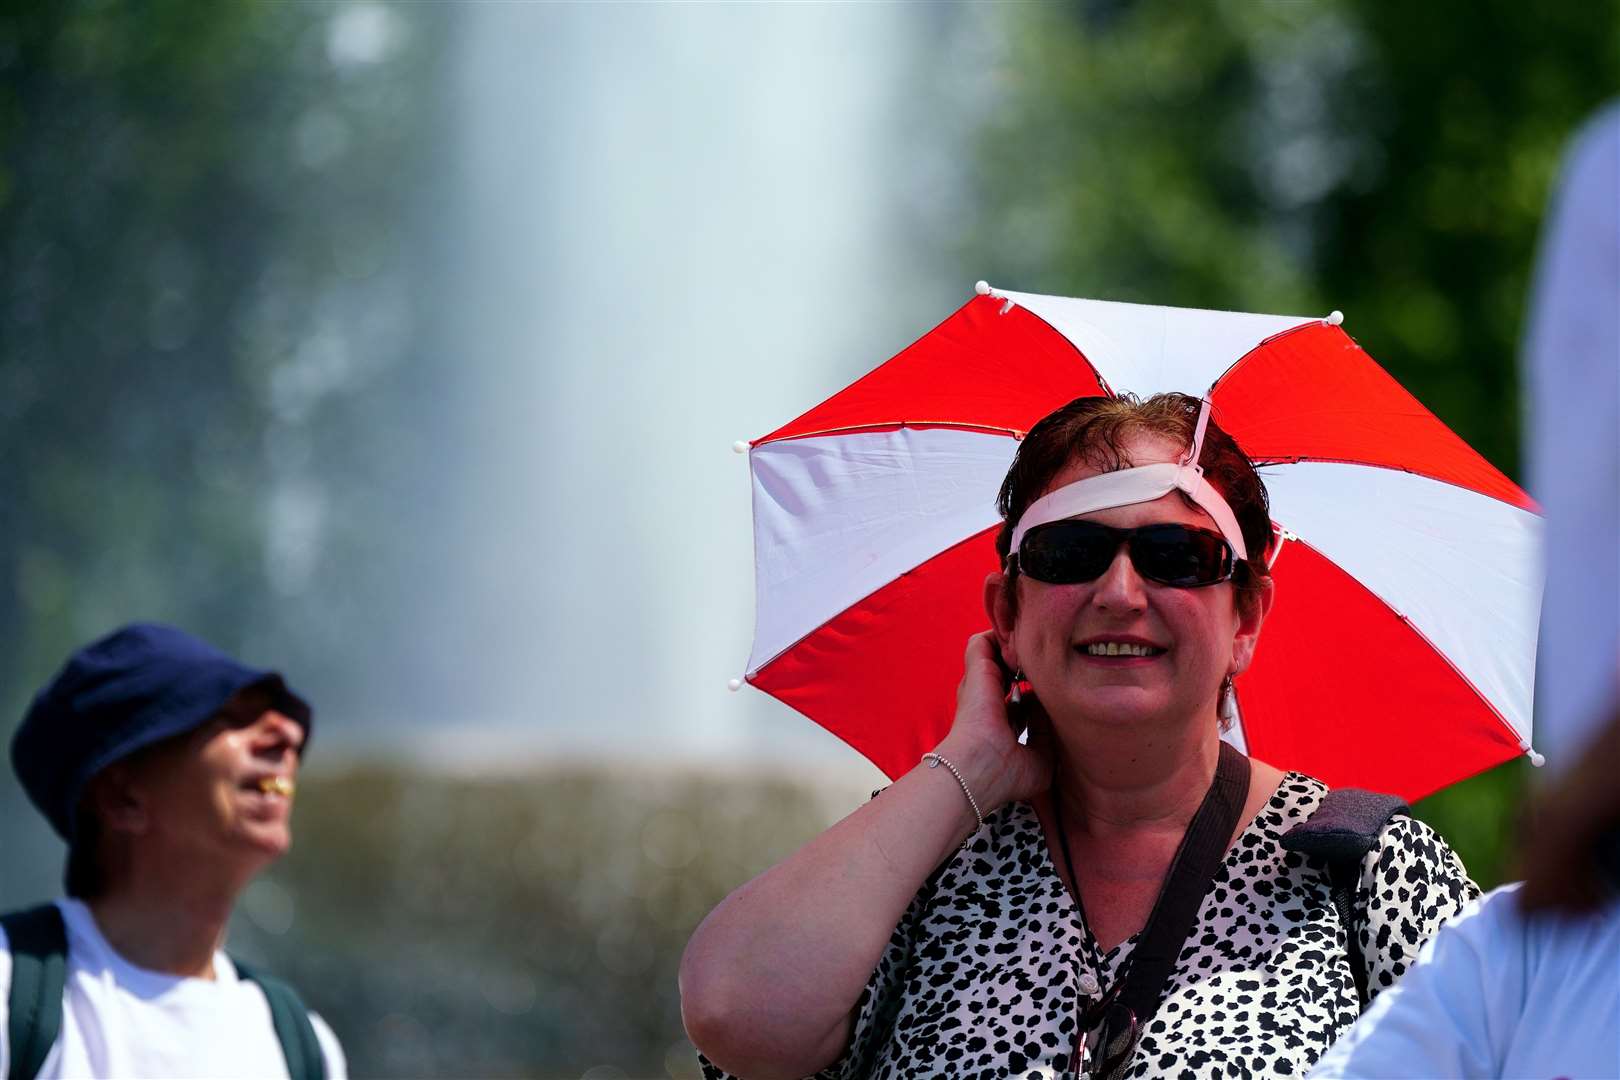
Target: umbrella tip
x=1335, y=318
x=734, y=685
x=982, y=288
x=1535, y=759
x=739, y=447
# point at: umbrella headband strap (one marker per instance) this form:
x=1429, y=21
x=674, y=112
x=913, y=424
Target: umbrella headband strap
x=1126, y=487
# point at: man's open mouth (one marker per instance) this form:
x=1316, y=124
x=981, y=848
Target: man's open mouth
x=276, y=785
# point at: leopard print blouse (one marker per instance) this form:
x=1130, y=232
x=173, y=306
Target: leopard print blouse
x=992, y=963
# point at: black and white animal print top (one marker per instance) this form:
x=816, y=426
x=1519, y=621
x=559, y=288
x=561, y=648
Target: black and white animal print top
x=990, y=966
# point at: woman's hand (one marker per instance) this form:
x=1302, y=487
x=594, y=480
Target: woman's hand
x=983, y=742
x=771, y=978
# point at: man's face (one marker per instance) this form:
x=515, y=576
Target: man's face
x=223, y=791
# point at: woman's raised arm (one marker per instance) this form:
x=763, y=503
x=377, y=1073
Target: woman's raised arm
x=770, y=979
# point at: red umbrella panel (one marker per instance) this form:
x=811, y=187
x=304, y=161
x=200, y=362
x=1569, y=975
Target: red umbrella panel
x=1399, y=654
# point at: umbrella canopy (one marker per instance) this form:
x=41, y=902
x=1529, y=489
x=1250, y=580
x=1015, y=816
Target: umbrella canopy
x=1399, y=654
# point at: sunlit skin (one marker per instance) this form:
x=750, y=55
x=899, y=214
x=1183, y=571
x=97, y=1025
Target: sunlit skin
x=226, y=793
x=185, y=825
x=1204, y=633
x=1135, y=737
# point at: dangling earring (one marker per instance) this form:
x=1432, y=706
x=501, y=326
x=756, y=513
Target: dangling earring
x=1019, y=688
x=1229, y=713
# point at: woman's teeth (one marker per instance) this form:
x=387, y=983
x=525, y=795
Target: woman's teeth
x=277, y=785
x=1120, y=648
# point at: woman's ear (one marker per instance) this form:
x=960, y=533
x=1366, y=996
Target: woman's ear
x=1252, y=607
x=998, y=604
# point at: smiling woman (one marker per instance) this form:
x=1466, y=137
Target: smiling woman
x=1096, y=882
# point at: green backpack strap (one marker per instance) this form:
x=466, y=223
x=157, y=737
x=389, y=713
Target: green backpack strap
x=37, y=940
x=299, y=1044
x=1342, y=830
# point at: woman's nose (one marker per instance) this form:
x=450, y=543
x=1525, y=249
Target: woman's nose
x=1120, y=588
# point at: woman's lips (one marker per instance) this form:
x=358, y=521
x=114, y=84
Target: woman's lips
x=1120, y=648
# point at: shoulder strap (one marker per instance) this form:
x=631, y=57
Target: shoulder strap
x=299, y=1044
x=1196, y=862
x=1342, y=829
x=1345, y=825
x=38, y=943
x=1122, y=1014
x=1119, y=1016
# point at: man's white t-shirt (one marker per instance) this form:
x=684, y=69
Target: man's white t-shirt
x=1495, y=994
x=119, y=1020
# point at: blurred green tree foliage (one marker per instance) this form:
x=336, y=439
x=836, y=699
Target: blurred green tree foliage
x=208, y=332
x=130, y=233
x=1389, y=160
x=205, y=300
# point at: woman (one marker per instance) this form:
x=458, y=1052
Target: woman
x=979, y=917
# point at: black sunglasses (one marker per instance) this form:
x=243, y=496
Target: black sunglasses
x=1106, y=1036
x=1070, y=552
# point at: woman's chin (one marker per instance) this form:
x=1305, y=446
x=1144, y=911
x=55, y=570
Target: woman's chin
x=1120, y=707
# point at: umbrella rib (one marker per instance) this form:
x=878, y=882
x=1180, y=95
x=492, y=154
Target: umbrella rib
x=1234, y=365
x=1108, y=391
x=1296, y=459
x=895, y=425
x=755, y=669
x=1490, y=706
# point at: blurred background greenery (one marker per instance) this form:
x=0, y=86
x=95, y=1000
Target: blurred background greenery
x=238, y=348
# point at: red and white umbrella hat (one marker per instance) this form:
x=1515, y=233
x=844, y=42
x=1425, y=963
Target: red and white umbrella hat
x=1399, y=654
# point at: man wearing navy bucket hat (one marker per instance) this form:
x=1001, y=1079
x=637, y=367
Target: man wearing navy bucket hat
x=169, y=768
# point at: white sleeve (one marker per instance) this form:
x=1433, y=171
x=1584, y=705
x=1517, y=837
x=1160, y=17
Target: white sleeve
x=1454, y=1012
x=337, y=1067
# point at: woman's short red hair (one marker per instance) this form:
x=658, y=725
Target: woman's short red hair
x=1094, y=430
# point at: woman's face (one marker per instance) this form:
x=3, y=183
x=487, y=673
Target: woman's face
x=1194, y=638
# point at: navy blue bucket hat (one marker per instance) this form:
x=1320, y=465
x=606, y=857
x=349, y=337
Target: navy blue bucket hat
x=137, y=686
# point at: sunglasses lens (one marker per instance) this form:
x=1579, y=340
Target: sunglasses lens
x=1072, y=552
x=1117, y=1041
x=1181, y=556
x=1068, y=552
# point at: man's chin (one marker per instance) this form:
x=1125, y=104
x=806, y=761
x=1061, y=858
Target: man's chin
x=267, y=844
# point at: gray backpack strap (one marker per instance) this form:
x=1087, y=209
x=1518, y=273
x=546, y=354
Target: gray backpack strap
x=1341, y=831
x=38, y=942
x=299, y=1044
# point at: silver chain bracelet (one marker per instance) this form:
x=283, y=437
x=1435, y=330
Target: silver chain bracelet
x=935, y=761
